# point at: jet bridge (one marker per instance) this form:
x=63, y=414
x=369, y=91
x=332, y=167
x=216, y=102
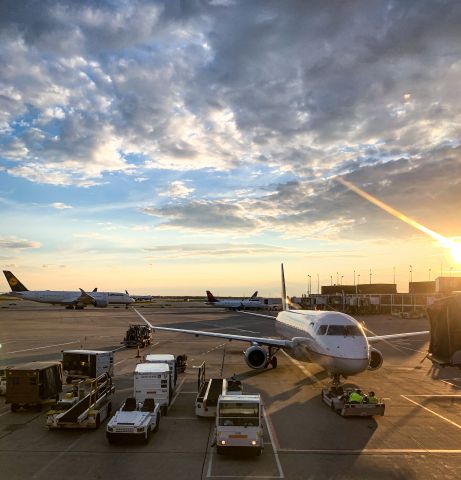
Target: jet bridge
x=445, y=329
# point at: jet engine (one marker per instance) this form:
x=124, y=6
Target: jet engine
x=256, y=357
x=101, y=303
x=376, y=359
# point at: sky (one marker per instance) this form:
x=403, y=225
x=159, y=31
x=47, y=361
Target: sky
x=177, y=146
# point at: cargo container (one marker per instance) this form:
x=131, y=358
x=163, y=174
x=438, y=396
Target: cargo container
x=82, y=364
x=152, y=380
x=32, y=384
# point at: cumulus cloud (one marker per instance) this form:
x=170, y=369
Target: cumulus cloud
x=17, y=244
x=308, y=90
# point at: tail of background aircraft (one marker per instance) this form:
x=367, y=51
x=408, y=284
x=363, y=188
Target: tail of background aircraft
x=284, y=292
x=254, y=296
x=15, y=284
x=211, y=297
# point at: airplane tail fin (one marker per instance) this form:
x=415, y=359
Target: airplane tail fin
x=254, y=296
x=211, y=297
x=284, y=292
x=15, y=284
x=95, y=289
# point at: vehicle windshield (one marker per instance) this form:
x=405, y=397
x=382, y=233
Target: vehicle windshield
x=239, y=414
x=344, y=330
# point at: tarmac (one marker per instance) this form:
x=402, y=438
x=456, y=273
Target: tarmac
x=418, y=437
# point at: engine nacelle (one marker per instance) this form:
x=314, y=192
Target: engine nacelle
x=101, y=303
x=376, y=359
x=256, y=357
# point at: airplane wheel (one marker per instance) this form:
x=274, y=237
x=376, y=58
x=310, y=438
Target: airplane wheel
x=274, y=362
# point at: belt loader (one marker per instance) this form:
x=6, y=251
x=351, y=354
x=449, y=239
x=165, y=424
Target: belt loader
x=89, y=403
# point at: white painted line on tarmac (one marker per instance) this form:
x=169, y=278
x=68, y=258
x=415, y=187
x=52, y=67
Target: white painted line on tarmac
x=56, y=458
x=178, y=390
x=119, y=348
x=311, y=377
x=432, y=411
x=41, y=348
x=371, y=451
x=435, y=395
x=1, y=414
x=274, y=445
x=451, y=384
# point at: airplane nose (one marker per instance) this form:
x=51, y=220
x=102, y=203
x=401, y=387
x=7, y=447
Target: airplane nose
x=351, y=366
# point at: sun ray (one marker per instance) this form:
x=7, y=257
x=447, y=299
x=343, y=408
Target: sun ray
x=455, y=247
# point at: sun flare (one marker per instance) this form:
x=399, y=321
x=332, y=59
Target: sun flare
x=456, y=252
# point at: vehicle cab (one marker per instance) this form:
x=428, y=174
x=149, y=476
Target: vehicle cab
x=239, y=423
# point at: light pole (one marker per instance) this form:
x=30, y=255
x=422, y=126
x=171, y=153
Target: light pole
x=309, y=285
x=429, y=274
x=318, y=283
x=370, y=276
x=342, y=276
x=354, y=277
x=411, y=273
x=357, y=286
x=331, y=280
x=337, y=278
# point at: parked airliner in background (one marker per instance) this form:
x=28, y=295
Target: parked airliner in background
x=234, y=304
x=334, y=340
x=77, y=300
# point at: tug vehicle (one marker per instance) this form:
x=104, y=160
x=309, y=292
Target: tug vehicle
x=86, y=406
x=239, y=423
x=138, y=336
x=336, y=397
x=134, y=421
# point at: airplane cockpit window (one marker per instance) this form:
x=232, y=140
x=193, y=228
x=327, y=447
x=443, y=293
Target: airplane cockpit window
x=322, y=330
x=344, y=330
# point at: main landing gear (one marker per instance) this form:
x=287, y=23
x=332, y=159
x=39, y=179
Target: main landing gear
x=272, y=359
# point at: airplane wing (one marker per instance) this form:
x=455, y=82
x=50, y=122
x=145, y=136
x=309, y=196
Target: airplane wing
x=394, y=336
x=272, y=342
x=85, y=298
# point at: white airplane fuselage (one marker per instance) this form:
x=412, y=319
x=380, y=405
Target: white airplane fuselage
x=342, y=348
x=68, y=297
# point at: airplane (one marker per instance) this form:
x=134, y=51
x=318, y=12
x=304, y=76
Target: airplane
x=232, y=304
x=334, y=340
x=77, y=300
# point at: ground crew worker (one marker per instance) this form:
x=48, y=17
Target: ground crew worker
x=372, y=398
x=355, y=397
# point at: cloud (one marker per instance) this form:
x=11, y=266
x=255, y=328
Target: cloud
x=60, y=206
x=17, y=244
x=177, y=189
x=217, y=250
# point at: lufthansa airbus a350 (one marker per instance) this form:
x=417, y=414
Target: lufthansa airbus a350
x=77, y=300
x=336, y=341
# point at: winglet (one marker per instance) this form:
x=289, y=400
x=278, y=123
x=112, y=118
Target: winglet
x=284, y=291
x=254, y=296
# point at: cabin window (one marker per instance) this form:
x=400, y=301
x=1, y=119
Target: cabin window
x=322, y=330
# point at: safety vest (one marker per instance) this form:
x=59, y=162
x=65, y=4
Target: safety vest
x=355, y=397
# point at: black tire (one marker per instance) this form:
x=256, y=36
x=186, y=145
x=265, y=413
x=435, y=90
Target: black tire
x=110, y=437
x=97, y=421
x=14, y=407
x=258, y=452
x=146, y=439
x=157, y=423
x=109, y=410
x=274, y=362
x=164, y=410
x=220, y=450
